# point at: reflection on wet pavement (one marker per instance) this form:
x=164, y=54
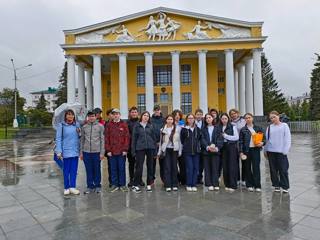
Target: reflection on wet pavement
x=32, y=205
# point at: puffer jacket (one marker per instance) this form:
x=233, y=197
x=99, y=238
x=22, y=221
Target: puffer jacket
x=165, y=140
x=245, y=138
x=190, y=140
x=143, y=138
x=92, y=138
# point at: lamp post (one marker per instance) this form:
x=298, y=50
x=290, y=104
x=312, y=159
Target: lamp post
x=15, y=121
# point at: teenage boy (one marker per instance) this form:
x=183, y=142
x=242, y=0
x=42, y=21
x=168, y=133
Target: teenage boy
x=117, y=145
x=200, y=124
x=92, y=151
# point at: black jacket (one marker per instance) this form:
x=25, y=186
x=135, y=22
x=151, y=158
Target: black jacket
x=157, y=123
x=228, y=131
x=245, y=137
x=131, y=123
x=216, y=139
x=143, y=138
x=190, y=140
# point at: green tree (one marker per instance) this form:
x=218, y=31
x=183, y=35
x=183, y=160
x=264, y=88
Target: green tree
x=273, y=98
x=7, y=105
x=315, y=90
x=42, y=103
x=62, y=89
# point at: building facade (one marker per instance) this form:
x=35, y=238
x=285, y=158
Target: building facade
x=177, y=59
x=50, y=96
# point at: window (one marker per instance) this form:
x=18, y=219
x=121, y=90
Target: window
x=221, y=91
x=141, y=76
x=185, y=74
x=141, y=102
x=220, y=78
x=186, y=103
x=164, y=98
x=162, y=75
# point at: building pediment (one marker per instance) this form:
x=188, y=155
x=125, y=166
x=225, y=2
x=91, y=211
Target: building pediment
x=164, y=24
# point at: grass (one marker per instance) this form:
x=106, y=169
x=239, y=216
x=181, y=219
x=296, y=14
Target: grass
x=11, y=133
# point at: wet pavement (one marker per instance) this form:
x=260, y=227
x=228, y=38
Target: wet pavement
x=32, y=205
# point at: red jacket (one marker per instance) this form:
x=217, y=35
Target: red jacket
x=117, y=137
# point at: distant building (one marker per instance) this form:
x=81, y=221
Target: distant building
x=50, y=95
x=298, y=100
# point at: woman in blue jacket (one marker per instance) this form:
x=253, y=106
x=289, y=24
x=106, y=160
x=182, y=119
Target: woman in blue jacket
x=67, y=149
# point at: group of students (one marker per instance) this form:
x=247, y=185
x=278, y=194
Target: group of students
x=187, y=150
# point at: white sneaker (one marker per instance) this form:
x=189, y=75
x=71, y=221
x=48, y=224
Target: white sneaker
x=231, y=190
x=243, y=183
x=258, y=189
x=74, y=191
x=250, y=189
x=276, y=189
x=189, y=189
x=211, y=188
x=227, y=189
x=194, y=189
x=168, y=189
x=175, y=189
x=66, y=192
x=149, y=188
x=216, y=188
x=285, y=190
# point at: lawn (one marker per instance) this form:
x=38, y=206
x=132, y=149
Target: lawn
x=11, y=133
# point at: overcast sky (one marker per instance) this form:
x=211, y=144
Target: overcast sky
x=31, y=31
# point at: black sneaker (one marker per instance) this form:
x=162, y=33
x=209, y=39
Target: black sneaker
x=130, y=184
x=88, y=190
x=277, y=189
x=124, y=189
x=136, y=189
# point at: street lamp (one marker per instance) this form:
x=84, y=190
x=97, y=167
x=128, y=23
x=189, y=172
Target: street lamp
x=15, y=121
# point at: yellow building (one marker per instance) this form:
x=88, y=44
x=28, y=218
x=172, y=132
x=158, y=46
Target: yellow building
x=177, y=59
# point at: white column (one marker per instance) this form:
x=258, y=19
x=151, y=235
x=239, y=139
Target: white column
x=97, y=93
x=203, y=90
x=175, y=80
x=249, y=88
x=149, y=81
x=88, y=75
x=257, y=78
x=230, y=97
x=242, y=88
x=236, y=87
x=81, y=85
x=71, y=81
x=123, y=85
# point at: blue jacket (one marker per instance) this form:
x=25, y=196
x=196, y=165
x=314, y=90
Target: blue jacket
x=68, y=140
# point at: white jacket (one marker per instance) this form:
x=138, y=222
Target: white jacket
x=164, y=140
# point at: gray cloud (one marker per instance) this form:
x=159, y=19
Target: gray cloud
x=31, y=32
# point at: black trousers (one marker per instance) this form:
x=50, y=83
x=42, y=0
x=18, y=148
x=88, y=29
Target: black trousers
x=182, y=173
x=253, y=168
x=230, y=165
x=211, y=170
x=170, y=167
x=140, y=157
x=132, y=162
x=201, y=167
x=279, y=165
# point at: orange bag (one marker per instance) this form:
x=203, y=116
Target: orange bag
x=257, y=138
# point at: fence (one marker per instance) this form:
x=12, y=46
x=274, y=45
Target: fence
x=305, y=126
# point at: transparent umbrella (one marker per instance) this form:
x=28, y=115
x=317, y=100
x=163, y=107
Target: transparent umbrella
x=79, y=110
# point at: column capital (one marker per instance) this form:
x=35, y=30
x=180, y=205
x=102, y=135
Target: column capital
x=247, y=58
x=87, y=69
x=229, y=50
x=202, y=51
x=81, y=64
x=70, y=56
x=122, y=54
x=148, y=53
x=257, y=49
x=240, y=64
x=96, y=56
x=175, y=52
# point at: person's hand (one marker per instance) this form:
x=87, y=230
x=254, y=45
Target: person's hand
x=109, y=154
x=101, y=157
x=81, y=156
x=59, y=156
x=260, y=144
x=124, y=153
x=224, y=135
